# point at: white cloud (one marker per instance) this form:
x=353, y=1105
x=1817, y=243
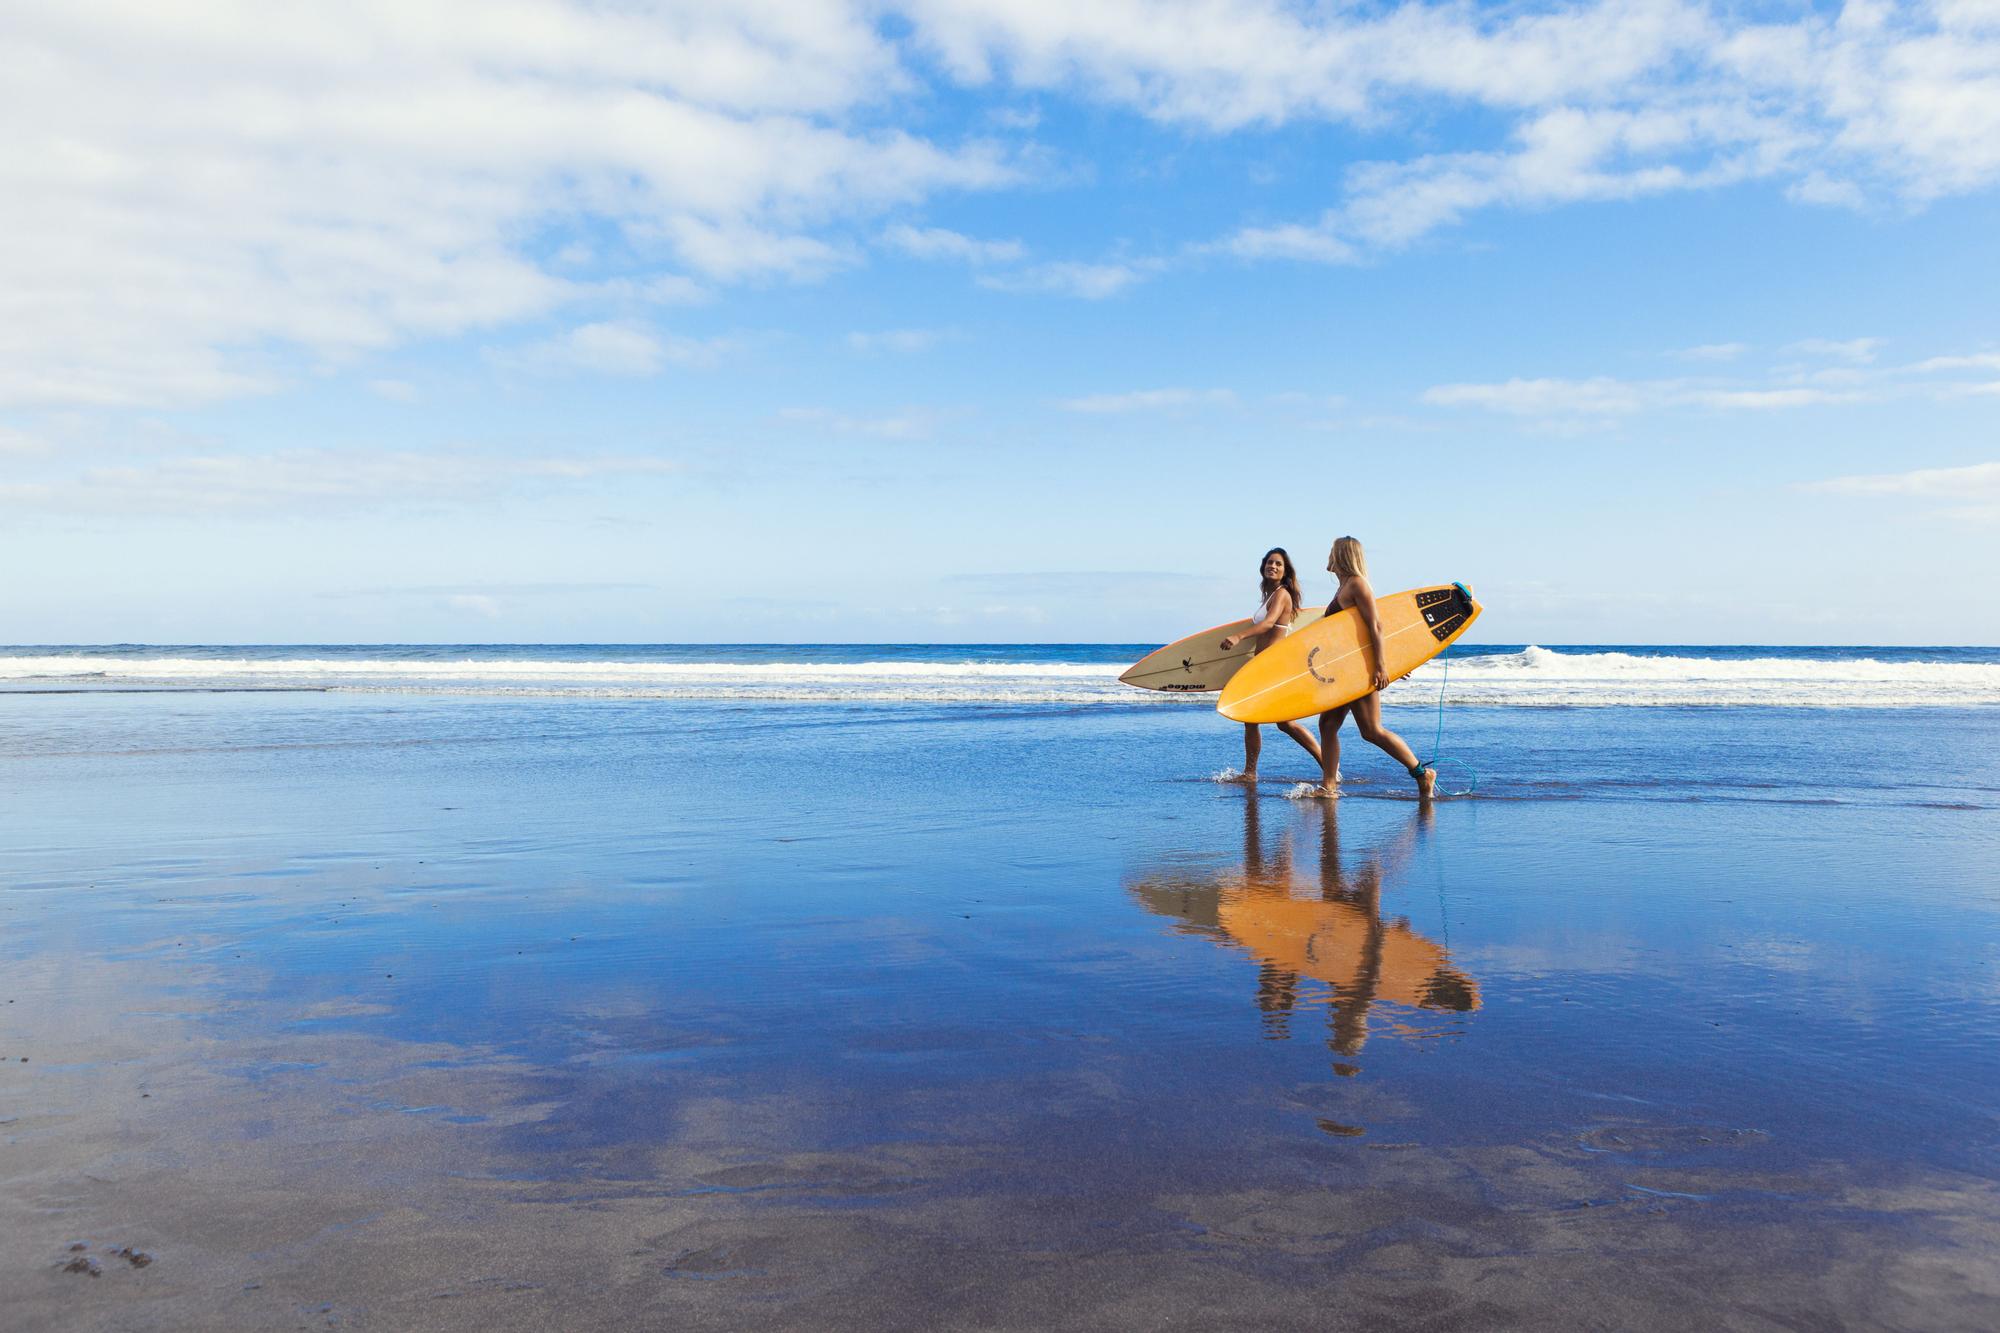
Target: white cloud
x=1857, y=350
x=1563, y=155
x=1151, y=400
x=612, y=348
x=731, y=250
x=201, y=200
x=1599, y=100
x=1090, y=282
x=1015, y=117
x=938, y=243
x=1291, y=241
x=182, y=183
x=1762, y=400
x=1605, y=397
x=1980, y=482
x=1781, y=388
x=1711, y=352
x=1974, y=361
x=317, y=479
x=1816, y=187
x=1225, y=64
x=1544, y=397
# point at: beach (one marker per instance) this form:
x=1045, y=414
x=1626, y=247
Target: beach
x=929, y=987
x=612, y=687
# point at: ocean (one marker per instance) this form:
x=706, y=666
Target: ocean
x=913, y=986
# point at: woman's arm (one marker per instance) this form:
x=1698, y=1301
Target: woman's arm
x=1364, y=607
x=1275, y=610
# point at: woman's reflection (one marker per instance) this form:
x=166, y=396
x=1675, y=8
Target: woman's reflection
x=1333, y=934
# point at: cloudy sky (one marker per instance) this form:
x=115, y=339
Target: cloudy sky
x=993, y=320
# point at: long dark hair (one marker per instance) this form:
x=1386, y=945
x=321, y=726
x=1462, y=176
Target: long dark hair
x=1290, y=582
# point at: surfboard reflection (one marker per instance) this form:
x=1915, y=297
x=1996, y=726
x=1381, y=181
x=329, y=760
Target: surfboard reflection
x=1331, y=932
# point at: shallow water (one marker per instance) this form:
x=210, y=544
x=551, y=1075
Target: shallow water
x=470, y=1011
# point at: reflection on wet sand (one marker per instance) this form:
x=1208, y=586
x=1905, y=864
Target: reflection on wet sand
x=1331, y=931
x=288, y=1139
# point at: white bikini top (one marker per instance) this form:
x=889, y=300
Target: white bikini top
x=1264, y=606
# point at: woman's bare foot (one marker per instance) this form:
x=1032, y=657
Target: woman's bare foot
x=1427, y=781
x=1326, y=792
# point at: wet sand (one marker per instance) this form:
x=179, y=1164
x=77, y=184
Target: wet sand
x=488, y=1017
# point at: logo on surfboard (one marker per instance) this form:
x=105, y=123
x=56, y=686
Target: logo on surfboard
x=1312, y=668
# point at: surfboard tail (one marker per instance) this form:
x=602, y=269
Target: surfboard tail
x=1260, y=706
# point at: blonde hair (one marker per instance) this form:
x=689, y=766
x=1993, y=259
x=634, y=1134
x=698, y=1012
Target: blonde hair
x=1348, y=560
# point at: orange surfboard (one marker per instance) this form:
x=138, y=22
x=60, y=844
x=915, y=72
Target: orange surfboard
x=1331, y=663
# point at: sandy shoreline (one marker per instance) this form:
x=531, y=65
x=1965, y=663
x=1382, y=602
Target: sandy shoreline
x=261, y=1206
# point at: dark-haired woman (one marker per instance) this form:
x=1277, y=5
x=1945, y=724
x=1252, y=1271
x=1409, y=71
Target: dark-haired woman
x=1273, y=622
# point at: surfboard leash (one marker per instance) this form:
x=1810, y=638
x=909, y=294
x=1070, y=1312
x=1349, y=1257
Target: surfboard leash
x=1437, y=740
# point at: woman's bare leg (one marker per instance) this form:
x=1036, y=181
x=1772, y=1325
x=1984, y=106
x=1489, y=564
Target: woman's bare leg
x=1253, y=746
x=1329, y=749
x=1304, y=738
x=1368, y=721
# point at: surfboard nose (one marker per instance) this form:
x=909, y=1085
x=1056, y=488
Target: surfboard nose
x=1445, y=609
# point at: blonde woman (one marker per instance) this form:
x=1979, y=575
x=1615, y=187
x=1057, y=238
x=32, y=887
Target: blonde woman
x=1280, y=588
x=1349, y=564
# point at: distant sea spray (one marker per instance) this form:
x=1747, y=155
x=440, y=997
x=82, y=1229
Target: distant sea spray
x=1016, y=674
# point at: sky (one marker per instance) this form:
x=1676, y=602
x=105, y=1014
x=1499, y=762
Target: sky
x=994, y=320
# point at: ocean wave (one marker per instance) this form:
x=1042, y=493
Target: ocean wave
x=939, y=682
x=318, y=669
x=1544, y=677
x=1531, y=677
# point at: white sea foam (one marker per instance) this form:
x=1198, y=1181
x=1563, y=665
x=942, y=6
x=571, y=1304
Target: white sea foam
x=318, y=670
x=609, y=677
x=1533, y=677
x=1546, y=678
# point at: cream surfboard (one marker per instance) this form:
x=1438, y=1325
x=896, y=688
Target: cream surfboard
x=1333, y=663
x=1197, y=663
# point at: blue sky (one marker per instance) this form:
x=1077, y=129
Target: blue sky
x=960, y=320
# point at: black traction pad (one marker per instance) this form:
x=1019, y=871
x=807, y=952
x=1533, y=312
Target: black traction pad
x=1445, y=609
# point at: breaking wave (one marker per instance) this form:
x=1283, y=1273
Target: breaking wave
x=1502, y=678
x=1547, y=678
